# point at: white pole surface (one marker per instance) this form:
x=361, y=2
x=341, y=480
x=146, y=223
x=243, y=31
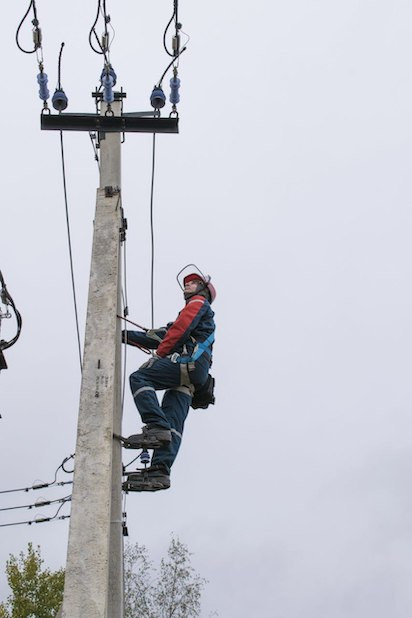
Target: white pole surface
x=94, y=568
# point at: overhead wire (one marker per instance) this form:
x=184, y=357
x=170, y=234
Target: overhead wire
x=177, y=27
x=125, y=313
x=36, y=28
x=59, y=67
x=70, y=250
x=93, y=31
x=38, y=504
x=40, y=520
x=165, y=33
x=152, y=229
x=102, y=50
x=41, y=485
x=170, y=65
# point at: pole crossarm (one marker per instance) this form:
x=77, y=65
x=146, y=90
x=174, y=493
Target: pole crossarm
x=126, y=123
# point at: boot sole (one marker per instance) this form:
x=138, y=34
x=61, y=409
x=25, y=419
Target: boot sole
x=144, y=486
x=148, y=443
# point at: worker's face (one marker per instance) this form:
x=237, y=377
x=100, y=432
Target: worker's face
x=191, y=286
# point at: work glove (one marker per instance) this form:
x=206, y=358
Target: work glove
x=156, y=333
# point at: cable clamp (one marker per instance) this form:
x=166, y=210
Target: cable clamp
x=110, y=191
x=109, y=111
x=123, y=229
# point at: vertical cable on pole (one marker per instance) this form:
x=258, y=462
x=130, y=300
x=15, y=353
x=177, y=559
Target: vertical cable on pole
x=152, y=229
x=70, y=251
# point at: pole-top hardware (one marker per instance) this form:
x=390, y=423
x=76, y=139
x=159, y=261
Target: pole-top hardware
x=109, y=124
x=117, y=95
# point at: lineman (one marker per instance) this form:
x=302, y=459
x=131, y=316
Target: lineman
x=179, y=366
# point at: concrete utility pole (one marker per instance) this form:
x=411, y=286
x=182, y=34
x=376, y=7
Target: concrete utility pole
x=94, y=569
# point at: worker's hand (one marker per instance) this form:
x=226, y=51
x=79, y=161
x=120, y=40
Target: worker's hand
x=156, y=333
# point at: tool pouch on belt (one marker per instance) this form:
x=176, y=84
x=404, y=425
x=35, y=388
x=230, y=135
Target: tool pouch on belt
x=204, y=395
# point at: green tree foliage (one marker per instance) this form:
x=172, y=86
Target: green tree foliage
x=172, y=591
x=35, y=592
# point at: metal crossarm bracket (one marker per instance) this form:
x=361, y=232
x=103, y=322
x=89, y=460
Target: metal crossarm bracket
x=125, y=123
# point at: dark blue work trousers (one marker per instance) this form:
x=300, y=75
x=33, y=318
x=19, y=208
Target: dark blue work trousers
x=163, y=374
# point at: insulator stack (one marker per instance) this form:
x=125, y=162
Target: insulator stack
x=107, y=83
x=157, y=98
x=145, y=457
x=42, y=80
x=108, y=79
x=174, y=90
x=60, y=100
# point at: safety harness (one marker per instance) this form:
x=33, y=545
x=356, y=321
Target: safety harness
x=198, y=350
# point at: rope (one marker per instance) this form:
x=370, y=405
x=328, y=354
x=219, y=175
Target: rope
x=70, y=249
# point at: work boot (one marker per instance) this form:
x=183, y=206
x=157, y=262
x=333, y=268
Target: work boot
x=152, y=436
x=150, y=479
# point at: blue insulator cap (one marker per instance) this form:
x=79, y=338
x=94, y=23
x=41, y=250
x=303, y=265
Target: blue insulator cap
x=157, y=98
x=111, y=72
x=60, y=100
x=174, y=90
x=145, y=457
x=42, y=80
x=107, y=83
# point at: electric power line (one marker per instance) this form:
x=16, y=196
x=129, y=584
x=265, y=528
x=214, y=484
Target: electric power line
x=42, y=485
x=152, y=229
x=40, y=520
x=70, y=249
x=39, y=504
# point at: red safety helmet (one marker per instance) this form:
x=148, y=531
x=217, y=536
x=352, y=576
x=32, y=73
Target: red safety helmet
x=205, y=281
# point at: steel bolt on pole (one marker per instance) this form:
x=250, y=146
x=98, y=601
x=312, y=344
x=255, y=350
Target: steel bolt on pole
x=94, y=568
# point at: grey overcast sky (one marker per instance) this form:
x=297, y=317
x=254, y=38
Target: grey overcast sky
x=290, y=184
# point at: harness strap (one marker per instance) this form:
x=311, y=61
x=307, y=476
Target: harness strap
x=185, y=378
x=199, y=349
x=187, y=390
x=184, y=375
